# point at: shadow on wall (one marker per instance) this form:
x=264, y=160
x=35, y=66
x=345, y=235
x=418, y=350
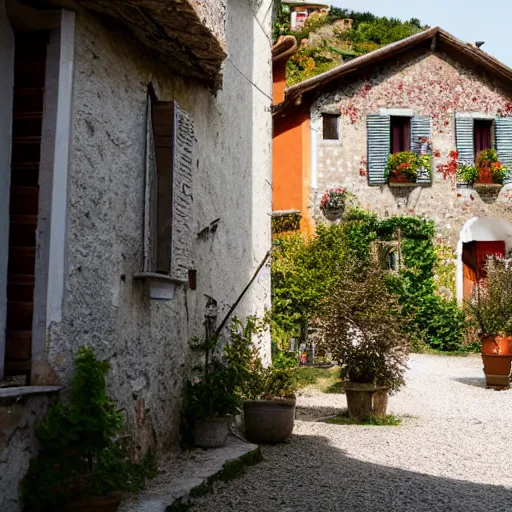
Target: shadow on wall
x=320, y=478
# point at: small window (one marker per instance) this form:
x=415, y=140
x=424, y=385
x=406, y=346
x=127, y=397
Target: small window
x=400, y=134
x=330, y=127
x=483, y=135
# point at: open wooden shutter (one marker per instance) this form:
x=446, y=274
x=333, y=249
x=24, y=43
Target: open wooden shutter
x=379, y=141
x=169, y=190
x=504, y=143
x=183, y=164
x=420, y=131
x=464, y=132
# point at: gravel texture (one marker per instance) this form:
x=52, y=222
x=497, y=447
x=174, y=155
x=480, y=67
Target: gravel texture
x=452, y=452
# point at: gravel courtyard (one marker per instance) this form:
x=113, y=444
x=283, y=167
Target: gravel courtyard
x=452, y=452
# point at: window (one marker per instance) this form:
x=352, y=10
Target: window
x=330, y=126
x=400, y=134
x=168, y=212
x=482, y=135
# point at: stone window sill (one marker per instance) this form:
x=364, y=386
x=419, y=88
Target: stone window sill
x=161, y=286
x=28, y=391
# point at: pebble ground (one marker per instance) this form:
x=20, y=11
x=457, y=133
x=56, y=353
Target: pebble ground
x=452, y=452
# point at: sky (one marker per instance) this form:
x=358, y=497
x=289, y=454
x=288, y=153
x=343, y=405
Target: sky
x=469, y=20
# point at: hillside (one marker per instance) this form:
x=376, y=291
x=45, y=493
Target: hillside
x=329, y=40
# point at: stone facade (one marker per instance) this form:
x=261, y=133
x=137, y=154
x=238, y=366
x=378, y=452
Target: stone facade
x=429, y=84
x=146, y=341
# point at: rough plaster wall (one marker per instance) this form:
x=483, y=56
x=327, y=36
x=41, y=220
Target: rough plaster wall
x=6, y=85
x=433, y=85
x=146, y=341
x=18, y=445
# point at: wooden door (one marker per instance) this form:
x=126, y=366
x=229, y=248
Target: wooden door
x=29, y=82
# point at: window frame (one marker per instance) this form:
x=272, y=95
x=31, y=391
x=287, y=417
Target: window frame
x=333, y=117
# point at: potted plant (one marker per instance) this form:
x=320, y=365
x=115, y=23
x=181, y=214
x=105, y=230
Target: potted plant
x=491, y=308
x=212, y=399
x=365, y=331
x=403, y=168
x=333, y=202
x=467, y=173
x=83, y=465
x=490, y=169
x=269, y=393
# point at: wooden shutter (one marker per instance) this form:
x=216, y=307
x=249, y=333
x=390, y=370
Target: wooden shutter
x=504, y=143
x=183, y=164
x=464, y=132
x=420, y=129
x=379, y=141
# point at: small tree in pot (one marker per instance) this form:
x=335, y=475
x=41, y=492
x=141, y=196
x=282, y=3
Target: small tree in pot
x=365, y=332
x=491, y=309
x=83, y=465
x=269, y=393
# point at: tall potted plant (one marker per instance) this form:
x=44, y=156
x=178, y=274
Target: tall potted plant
x=491, y=309
x=212, y=399
x=268, y=392
x=81, y=466
x=364, y=330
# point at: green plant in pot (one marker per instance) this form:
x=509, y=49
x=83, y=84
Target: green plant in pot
x=404, y=167
x=269, y=392
x=83, y=465
x=365, y=331
x=490, y=309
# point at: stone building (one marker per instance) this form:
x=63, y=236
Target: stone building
x=429, y=93
x=135, y=143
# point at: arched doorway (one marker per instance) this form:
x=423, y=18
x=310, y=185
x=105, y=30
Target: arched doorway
x=479, y=238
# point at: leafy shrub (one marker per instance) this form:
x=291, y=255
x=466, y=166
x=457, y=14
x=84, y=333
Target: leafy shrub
x=365, y=330
x=284, y=360
x=491, y=305
x=78, y=455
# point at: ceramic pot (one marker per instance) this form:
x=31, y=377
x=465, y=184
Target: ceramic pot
x=211, y=433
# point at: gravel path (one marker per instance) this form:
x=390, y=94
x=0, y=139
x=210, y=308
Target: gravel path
x=452, y=452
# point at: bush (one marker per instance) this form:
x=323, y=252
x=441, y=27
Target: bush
x=365, y=329
x=78, y=455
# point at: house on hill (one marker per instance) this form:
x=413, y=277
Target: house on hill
x=135, y=200
x=430, y=96
x=302, y=10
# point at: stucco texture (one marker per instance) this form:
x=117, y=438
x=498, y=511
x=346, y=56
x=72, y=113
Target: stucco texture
x=146, y=341
x=430, y=84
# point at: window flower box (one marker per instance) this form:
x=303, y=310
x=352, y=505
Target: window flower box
x=333, y=203
x=404, y=169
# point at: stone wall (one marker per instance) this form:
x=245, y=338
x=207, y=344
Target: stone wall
x=18, y=443
x=146, y=341
x=430, y=84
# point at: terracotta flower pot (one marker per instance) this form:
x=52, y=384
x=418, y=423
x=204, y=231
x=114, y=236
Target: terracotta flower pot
x=496, y=346
x=365, y=401
x=497, y=370
x=269, y=421
x=108, y=503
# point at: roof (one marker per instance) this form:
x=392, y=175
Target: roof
x=437, y=38
x=285, y=47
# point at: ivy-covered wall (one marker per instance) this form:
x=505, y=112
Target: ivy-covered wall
x=430, y=84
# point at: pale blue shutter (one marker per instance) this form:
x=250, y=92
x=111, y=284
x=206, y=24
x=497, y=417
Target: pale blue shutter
x=504, y=143
x=379, y=141
x=464, y=132
x=420, y=129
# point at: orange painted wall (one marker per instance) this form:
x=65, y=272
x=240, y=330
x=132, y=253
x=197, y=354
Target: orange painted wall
x=290, y=174
x=279, y=82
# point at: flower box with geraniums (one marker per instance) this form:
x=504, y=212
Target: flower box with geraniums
x=491, y=309
x=490, y=170
x=366, y=333
x=83, y=463
x=334, y=202
x=404, y=169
